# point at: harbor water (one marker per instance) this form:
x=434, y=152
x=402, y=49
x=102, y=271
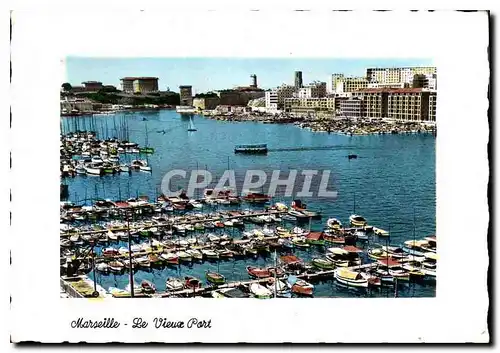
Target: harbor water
x=391, y=182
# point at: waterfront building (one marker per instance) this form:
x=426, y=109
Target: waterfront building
x=139, y=84
x=313, y=90
x=298, y=80
x=404, y=104
x=397, y=74
x=206, y=103
x=275, y=98
x=186, y=95
x=309, y=105
x=428, y=81
x=374, y=102
x=351, y=107
x=92, y=86
x=342, y=84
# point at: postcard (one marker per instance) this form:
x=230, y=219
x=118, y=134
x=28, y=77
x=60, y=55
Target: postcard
x=235, y=182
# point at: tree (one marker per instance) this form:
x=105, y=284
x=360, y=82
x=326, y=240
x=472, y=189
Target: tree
x=66, y=86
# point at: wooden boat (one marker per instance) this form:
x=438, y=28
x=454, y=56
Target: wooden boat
x=300, y=242
x=143, y=262
x=380, y=232
x=215, y=278
x=302, y=287
x=323, y=263
x=213, y=238
x=394, y=252
x=257, y=272
x=333, y=223
x=148, y=287
x=109, y=252
x=116, y=266
x=192, y=282
x=184, y=256
x=174, y=284
x=277, y=286
x=219, y=224
x=377, y=253
x=225, y=253
x=155, y=260
x=357, y=220
x=170, y=258
x=256, y=198
x=414, y=247
x=195, y=254
x=298, y=215
x=334, y=239
x=350, y=278
x=279, y=271
x=315, y=238
x=259, y=291
x=210, y=254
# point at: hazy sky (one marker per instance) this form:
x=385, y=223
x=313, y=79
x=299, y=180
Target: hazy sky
x=206, y=74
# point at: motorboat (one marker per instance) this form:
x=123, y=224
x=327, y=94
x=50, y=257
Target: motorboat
x=259, y=291
x=357, y=220
x=350, y=278
x=215, y=278
x=174, y=284
x=333, y=223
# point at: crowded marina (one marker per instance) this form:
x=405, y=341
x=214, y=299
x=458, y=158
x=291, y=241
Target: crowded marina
x=114, y=238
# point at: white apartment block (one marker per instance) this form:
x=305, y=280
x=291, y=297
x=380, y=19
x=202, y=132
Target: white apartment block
x=397, y=74
x=313, y=90
x=275, y=98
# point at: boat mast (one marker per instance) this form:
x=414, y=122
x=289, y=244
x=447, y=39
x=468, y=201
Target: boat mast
x=131, y=272
x=275, y=271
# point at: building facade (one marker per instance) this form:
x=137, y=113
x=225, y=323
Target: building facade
x=404, y=104
x=298, y=80
x=206, y=103
x=139, y=84
x=351, y=108
x=374, y=102
x=186, y=95
x=92, y=86
x=313, y=90
x=275, y=99
x=397, y=74
x=309, y=105
x=342, y=84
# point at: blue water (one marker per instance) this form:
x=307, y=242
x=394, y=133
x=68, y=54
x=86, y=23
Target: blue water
x=391, y=183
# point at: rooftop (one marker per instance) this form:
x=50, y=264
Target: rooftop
x=391, y=90
x=138, y=78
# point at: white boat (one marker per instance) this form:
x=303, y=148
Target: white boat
x=210, y=254
x=96, y=159
x=184, y=256
x=259, y=291
x=350, y=278
x=174, y=284
x=145, y=168
x=136, y=248
x=123, y=251
x=333, y=223
x=195, y=254
x=102, y=267
x=213, y=237
x=93, y=170
x=185, y=109
x=357, y=220
x=361, y=234
x=124, y=168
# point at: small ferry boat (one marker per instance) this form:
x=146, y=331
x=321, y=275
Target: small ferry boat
x=350, y=278
x=251, y=149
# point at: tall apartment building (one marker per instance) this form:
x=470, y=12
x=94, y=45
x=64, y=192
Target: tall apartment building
x=275, y=98
x=397, y=74
x=351, y=108
x=186, y=95
x=298, y=80
x=139, y=84
x=342, y=84
x=310, y=105
x=406, y=104
x=313, y=90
